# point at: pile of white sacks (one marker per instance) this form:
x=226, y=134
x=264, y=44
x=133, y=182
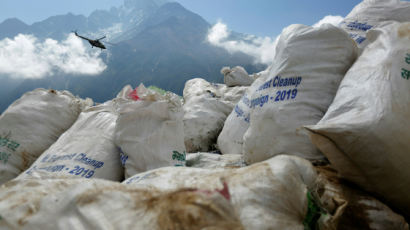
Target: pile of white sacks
x=319, y=140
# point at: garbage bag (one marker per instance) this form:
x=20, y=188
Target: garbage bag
x=232, y=95
x=86, y=150
x=150, y=131
x=267, y=195
x=371, y=14
x=31, y=124
x=205, y=110
x=97, y=204
x=308, y=67
x=230, y=139
x=365, y=132
x=237, y=76
x=345, y=207
x=212, y=160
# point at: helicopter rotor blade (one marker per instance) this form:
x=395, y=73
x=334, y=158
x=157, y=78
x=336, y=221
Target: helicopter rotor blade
x=101, y=38
x=75, y=32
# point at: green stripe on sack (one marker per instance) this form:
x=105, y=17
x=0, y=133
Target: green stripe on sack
x=313, y=214
x=157, y=89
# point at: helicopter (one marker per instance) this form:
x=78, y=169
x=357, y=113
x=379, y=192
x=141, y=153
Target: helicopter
x=92, y=42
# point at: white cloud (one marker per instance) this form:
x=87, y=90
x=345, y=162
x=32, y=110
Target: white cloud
x=218, y=33
x=25, y=56
x=332, y=19
x=262, y=49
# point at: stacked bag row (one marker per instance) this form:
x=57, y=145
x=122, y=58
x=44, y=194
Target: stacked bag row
x=284, y=192
x=268, y=195
x=48, y=134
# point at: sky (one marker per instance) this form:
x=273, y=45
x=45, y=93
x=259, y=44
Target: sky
x=263, y=20
x=257, y=17
x=267, y=17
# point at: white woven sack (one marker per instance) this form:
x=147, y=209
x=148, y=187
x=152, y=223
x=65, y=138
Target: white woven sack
x=309, y=65
x=86, y=150
x=230, y=139
x=214, y=161
x=205, y=111
x=232, y=95
x=365, y=133
x=237, y=76
x=150, y=132
x=31, y=124
x=267, y=195
x=346, y=207
x=371, y=14
x=98, y=204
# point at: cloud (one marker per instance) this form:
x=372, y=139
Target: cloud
x=25, y=56
x=218, y=33
x=332, y=19
x=262, y=49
